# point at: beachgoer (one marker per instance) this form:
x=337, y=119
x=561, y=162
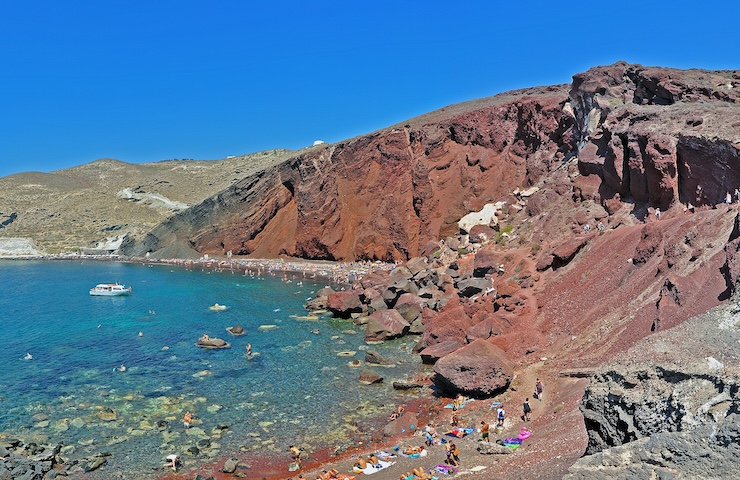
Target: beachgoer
x=728, y=198
x=484, y=427
x=249, y=349
x=205, y=338
x=173, y=459
x=455, y=454
x=28, y=356
x=393, y=416
x=296, y=452
x=122, y=368
x=187, y=420
x=657, y=213
x=454, y=420
x=500, y=415
x=538, y=389
x=431, y=434
x=526, y=409
x=448, y=453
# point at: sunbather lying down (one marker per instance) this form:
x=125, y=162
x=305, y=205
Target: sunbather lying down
x=412, y=450
x=417, y=473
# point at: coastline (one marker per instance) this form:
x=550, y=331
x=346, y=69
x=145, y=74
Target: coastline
x=338, y=273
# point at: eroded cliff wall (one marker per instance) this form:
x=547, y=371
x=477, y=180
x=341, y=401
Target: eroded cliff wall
x=383, y=195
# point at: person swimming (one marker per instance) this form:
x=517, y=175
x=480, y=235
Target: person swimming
x=28, y=357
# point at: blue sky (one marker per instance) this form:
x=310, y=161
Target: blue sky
x=147, y=81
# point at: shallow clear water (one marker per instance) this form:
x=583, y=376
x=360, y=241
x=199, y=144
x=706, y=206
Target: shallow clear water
x=297, y=388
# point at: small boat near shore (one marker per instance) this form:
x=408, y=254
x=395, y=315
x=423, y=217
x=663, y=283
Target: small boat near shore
x=110, y=290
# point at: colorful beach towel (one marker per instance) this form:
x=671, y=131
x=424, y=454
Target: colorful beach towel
x=423, y=453
x=460, y=432
x=449, y=405
x=370, y=469
x=445, y=469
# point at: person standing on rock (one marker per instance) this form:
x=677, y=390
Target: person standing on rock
x=500, y=416
x=526, y=409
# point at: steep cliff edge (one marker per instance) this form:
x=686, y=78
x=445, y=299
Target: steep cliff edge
x=383, y=195
x=657, y=136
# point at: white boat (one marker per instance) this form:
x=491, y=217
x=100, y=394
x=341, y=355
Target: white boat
x=110, y=290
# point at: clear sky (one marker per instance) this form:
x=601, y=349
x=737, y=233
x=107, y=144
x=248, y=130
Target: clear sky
x=143, y=81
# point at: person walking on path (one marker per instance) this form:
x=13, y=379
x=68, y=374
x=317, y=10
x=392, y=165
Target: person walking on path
x=538, y=389
x=484, y=427
x=500, y=416
x=526, y=409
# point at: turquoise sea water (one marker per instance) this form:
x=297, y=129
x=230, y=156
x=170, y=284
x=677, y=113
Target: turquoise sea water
x=297, y=389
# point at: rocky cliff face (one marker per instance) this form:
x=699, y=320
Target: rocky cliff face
x=657, y=136
x=383, y=195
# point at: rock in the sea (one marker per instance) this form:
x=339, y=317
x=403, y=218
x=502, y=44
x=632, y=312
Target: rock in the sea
x=368, y=377
x=212, y=342
x=374, y=358
x=479, y=369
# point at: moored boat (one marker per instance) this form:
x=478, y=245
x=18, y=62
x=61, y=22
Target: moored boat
x=110, y=290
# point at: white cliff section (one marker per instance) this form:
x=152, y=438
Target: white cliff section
x=487, y=216
x=18, y=248
x=153, y=200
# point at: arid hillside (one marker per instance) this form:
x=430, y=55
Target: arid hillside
x=96, y=205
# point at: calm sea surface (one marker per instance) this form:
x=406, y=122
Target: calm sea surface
x=297, y=389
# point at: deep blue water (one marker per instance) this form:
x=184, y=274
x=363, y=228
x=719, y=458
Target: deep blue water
x=296, y=389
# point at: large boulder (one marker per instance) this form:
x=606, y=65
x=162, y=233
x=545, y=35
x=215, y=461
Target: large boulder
x=368, y=377
x=432, y=353
x=344, y=304
x=385, y=325
x=479, y=369
x=474, y=286
x=449, y=324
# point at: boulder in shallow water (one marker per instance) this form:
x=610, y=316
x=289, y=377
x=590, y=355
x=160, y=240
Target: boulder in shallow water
x=212, y=343
x=368, y=377
x=375, y=358
x=236, y=330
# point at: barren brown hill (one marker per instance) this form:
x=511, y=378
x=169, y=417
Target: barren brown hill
x=98, y=204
